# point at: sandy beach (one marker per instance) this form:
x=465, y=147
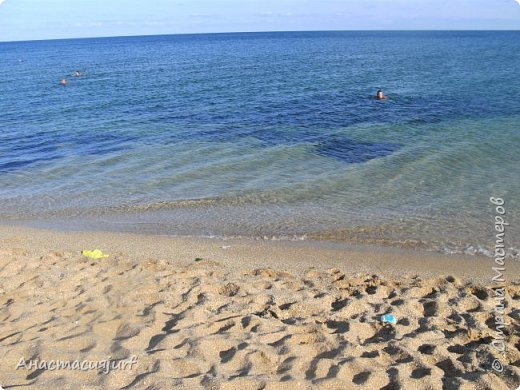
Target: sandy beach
x=235, y=314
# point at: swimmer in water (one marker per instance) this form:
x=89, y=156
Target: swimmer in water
x=77, y=73
x=380, y=95
x=64, y=82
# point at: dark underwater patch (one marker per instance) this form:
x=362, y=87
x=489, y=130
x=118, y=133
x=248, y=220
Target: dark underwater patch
x=354, y=152
x=44, y=147
x=339, y=147
x=8, y=166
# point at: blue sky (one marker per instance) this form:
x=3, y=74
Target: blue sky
x=46, y=19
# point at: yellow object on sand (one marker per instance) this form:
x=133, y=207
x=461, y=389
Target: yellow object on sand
x=94, y=254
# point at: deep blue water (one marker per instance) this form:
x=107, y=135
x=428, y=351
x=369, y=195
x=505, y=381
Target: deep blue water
x=266, y=134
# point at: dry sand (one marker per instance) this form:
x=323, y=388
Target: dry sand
x=238, y=314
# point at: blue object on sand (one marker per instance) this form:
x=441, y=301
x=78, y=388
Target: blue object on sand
x=388, y=319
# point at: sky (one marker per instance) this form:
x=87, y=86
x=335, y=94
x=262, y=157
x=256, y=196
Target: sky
x=54, y=19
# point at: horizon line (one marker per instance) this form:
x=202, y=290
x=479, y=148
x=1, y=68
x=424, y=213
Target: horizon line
x=257, y=32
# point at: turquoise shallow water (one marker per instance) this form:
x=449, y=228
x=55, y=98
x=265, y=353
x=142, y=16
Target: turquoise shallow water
x=266, y=135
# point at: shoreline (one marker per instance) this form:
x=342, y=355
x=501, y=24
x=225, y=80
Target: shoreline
x=243, y=253
x=191, y=218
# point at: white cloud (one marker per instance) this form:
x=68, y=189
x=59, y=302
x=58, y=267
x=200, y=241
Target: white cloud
x=1, y=1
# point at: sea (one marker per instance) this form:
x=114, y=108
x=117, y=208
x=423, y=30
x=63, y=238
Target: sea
x=273, y=136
